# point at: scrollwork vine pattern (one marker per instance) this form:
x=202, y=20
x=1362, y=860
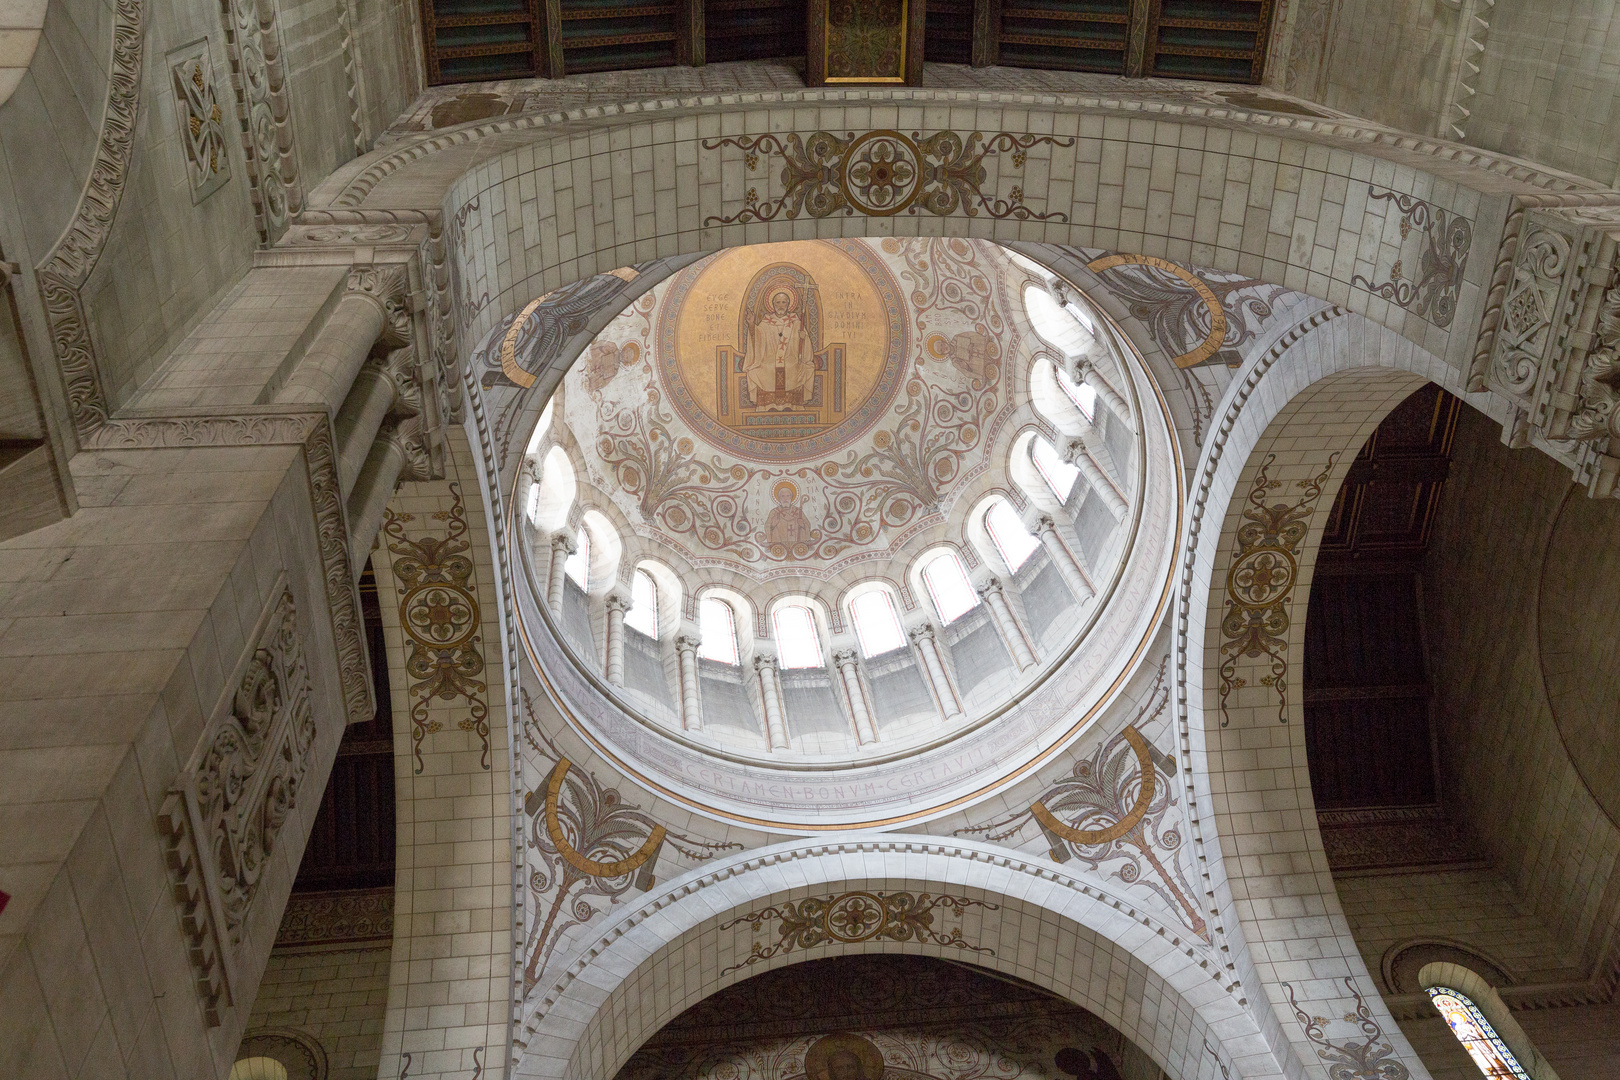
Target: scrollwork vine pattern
x=439, y=614
x=1370, y=1058
x=1447, y=236
x=1260, y=583
x=589, y=846
x=853, y=917
x=882, y=173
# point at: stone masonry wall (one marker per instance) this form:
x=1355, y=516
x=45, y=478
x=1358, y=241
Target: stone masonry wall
x=336, y=997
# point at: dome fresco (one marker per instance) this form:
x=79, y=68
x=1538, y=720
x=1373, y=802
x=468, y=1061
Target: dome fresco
x=836, y=506
x=895, y=394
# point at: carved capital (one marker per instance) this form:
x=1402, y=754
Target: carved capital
x=563, y=543
x=764, y=662
x=845, y=658
x=686, y=643
x=921, y=633
x=1042, y=525
x=406, y=437
x=991, y=590
x=388, y=285
x=225, y=811
x=616, y=601
x=401, y=369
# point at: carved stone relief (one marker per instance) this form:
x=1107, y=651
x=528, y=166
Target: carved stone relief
x=225, y=811
x=264, y=110
x=1554, y=348
x=202, y=129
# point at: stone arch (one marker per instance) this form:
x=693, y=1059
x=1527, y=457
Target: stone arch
x=1066, y=935
x=1285, y=434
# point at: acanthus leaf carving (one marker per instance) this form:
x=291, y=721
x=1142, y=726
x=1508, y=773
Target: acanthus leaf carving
x=225, y=812
x=264, y=111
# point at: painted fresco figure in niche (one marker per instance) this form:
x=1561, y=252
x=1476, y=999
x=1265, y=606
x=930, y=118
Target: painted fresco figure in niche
x=779, y=357
x=787, y=530
x=843, y=1057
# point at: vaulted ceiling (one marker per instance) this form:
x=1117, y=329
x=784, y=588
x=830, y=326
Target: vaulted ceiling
x=476, y=40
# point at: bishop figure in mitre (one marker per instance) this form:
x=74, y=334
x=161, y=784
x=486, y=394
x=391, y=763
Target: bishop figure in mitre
x=780, y=361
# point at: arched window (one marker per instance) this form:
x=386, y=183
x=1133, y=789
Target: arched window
x=948, y=586
x=877, y=626
x=1477, y=1035
x=1009, y=534
x=797, y=642
x=1058, y=474
x=643, y=614
x=1083, y=396
x=717, y=631
x=1055, y=323
x=578, y=565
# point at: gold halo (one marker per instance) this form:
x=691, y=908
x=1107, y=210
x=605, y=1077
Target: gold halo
x=816, y=1058
x=770, y=301
x=792, y=489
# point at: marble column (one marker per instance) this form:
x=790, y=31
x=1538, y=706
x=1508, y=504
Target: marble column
x=617, y=605
x=374, y=486
x=849, y=669
x=686, y=651
x=923, y=638
x=1068, y=565
x=990, y=592
x=1078, y=455
x=1085, y=370
x=380, y=386
x=776, y=735
x=372, y=306
x=562, y=546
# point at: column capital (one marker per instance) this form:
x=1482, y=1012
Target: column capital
x=617, y=601
x=564, y=542
x=687, y=643
x=845, y=658
x=990, y=588
x=764, y=661
x=922, y=632
x=1044, y=524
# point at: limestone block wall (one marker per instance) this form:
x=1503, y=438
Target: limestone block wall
x=336, y=997
x=1504, y=764
x=127, y=630
x=449, y=982
x=1545, y=89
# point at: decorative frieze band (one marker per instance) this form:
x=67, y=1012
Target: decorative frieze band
x=225, y=812
x=264, y=110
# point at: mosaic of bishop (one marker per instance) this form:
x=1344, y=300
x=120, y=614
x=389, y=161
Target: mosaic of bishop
x=780, y=360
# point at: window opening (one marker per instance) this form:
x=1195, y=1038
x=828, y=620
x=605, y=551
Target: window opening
x=1477, y=1035
x=1055, y=323
x=1058, y=474
x=717, y=631
x=534, y=504
x=948, y=587
x=643, y=614
x=1009, y=534
x=797, y=642
x=1083, y=396
x=876, y=624
x=578, y=565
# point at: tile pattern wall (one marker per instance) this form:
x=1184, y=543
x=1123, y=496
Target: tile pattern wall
x=336, y=997
x=449, y=986
x=1300, y=215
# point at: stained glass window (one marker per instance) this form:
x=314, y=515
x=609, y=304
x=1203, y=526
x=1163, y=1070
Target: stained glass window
x=1477, y=1035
